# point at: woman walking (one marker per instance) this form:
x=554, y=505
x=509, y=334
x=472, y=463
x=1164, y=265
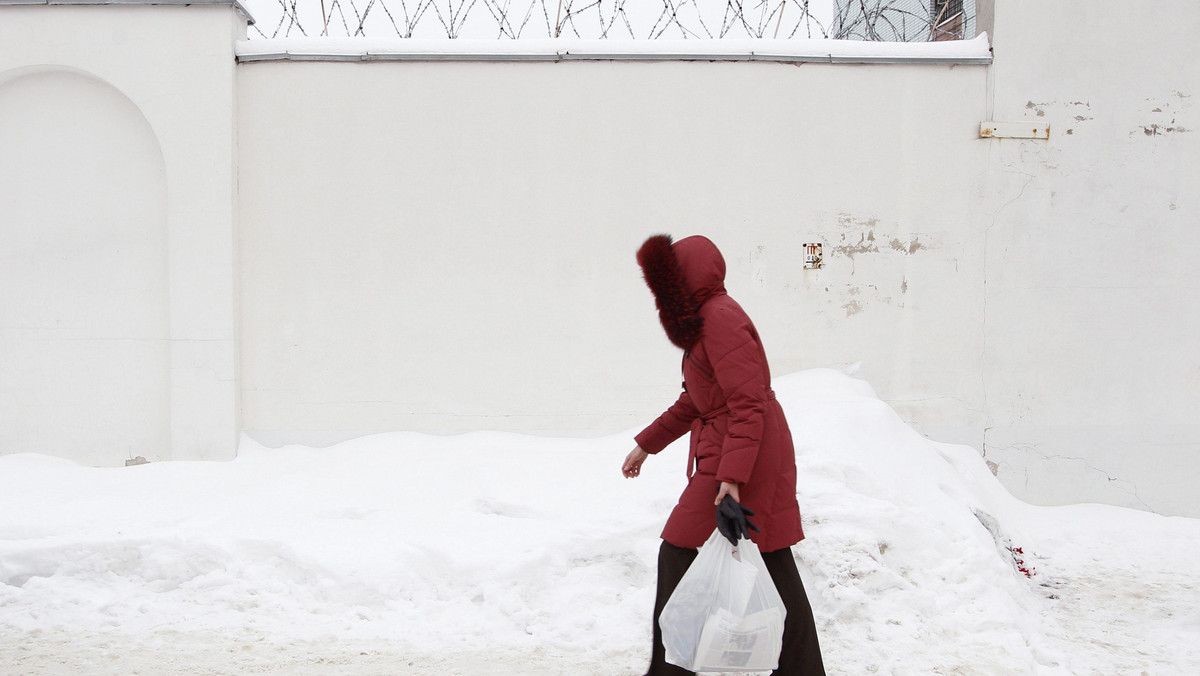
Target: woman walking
x=740, y=461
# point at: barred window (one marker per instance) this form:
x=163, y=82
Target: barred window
x=948, y=19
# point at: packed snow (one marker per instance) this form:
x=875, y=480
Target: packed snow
x=976, y=50
x=492, y=554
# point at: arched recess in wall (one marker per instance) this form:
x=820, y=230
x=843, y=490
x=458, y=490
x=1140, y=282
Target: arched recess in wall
x=84, y=324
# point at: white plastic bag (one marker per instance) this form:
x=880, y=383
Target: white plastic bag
x=726, y=614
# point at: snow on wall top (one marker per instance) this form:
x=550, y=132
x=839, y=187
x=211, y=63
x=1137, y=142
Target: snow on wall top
x=975, y=51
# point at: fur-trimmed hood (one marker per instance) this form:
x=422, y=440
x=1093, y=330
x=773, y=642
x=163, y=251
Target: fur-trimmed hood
x=682, y=276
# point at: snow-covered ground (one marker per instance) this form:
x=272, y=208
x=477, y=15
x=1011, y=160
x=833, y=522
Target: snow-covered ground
x=496, y=554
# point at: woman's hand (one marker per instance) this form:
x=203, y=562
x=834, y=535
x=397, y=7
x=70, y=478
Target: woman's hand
x=731, y=515
x=633, y=462
x=729, y=489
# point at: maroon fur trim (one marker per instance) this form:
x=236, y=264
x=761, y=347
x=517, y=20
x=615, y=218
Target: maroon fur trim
x=677, y=310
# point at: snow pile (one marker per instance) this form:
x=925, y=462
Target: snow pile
x=396, y=551
x=896, y=546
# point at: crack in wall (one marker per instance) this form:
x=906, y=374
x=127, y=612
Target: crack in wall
x=1123, y=485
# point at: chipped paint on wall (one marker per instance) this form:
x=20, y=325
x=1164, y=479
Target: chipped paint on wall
x=907, y=248
x=851, y=303
x=858, y=298
x=849, y=221
x=1163, y=116
x=1070, y=114
x=861, y=237
x=1082, y=113
x=864, y=244
x=1160, y=115
x=1155, y=130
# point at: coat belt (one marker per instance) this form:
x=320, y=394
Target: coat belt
x=698, y=424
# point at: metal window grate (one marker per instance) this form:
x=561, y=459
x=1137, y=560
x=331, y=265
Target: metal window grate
x=903, y=20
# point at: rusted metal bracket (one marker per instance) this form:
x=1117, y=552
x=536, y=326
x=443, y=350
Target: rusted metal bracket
x=993, y=129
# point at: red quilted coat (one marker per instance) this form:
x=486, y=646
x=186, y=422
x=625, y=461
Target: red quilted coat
x=738, y=431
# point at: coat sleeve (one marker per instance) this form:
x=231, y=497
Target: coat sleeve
x=737, y=362
x=671, y=425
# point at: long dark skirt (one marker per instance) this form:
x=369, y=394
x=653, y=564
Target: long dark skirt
x=801, y=655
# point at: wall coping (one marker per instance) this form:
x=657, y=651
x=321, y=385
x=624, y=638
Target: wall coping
x=233, y=3
x=975, y=51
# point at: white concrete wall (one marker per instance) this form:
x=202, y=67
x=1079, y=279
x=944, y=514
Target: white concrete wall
x=449, y=246
x=84, y=277
x=467, y=229
x=1092, y=352
x=117, y=231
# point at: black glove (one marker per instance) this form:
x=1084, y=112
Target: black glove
x=731, y=520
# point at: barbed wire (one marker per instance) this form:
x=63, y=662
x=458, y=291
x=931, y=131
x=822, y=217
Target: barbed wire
x=904, y=20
